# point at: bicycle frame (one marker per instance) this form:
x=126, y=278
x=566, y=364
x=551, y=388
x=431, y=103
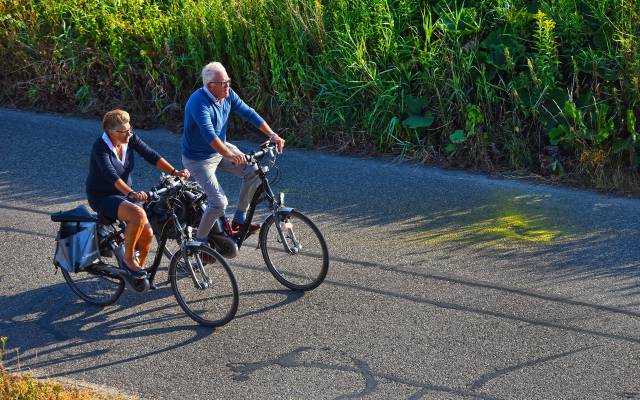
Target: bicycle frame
x=264, y=193
x=119, y=232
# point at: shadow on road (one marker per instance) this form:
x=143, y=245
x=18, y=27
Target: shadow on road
x=288, y=297
x=505, y=315
x=553, y=236
x=66, y=325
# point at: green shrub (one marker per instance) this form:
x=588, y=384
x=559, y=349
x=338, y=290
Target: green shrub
x=343, y=72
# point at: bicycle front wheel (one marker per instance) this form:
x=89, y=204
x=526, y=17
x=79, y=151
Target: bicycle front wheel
x=301, y=260
x=94, y=288
x=204, y=285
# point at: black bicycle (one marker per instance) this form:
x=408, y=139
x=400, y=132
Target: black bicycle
x=90, y=250
x=292, y=246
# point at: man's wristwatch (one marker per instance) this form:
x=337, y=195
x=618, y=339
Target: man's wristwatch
x=273, y=134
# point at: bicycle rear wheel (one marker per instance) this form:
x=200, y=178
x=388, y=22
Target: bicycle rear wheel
x=95, y=288
x=209, y=295
x=300, y=264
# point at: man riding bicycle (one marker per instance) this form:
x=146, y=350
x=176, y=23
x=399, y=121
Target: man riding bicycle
x=205, y=148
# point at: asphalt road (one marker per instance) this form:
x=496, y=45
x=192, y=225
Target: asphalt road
x=442, y=285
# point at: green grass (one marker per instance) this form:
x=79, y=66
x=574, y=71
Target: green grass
x=349, y=73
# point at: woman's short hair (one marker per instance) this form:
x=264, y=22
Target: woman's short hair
x=114, y=119
x=209, y=70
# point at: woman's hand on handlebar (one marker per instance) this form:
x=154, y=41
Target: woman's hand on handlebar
x=137, y=196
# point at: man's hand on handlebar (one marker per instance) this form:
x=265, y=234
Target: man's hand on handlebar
x=238, y=159
x=183, y=174
x=278, y=141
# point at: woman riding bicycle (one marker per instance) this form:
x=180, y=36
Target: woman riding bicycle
x=109, y=190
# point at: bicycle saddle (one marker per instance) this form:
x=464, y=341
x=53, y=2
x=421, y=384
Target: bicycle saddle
x=78, y=214
x=104, y=220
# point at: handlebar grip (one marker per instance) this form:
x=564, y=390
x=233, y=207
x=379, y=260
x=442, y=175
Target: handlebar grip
x=158, y=192
x=155, y=194
x=256, y=155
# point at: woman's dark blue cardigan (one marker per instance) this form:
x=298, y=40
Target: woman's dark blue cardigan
x=105, y=169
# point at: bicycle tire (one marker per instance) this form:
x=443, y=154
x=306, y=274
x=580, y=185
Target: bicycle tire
x=291, y=269
x=207, y=308
x=97, y=289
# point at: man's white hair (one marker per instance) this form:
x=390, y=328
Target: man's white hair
x=210, y=69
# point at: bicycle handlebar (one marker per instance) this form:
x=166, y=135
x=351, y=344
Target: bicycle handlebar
x=253, y=157
x=258, y=155
x=153, y=195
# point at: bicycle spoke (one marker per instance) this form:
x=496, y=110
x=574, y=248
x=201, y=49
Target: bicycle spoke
x=97, y=289
x=210, y=295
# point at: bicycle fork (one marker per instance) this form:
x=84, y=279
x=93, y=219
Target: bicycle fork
x=279, y=216
x=184, y=247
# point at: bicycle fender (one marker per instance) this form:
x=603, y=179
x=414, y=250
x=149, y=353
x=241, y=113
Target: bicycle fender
x=284, y=210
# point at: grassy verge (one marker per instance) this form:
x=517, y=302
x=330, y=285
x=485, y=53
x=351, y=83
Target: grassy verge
x=26, y=387
x=22, y=386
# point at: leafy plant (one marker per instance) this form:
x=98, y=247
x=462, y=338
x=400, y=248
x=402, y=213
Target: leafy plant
x=417, y=116
x=582, y=129
x=630, y=143
x=474, y=119
x=545, y=56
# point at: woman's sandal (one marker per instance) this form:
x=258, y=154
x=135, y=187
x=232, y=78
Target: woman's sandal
x=136, y=273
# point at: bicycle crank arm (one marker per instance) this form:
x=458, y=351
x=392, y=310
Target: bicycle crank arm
x=226, y=246
x=136, y=285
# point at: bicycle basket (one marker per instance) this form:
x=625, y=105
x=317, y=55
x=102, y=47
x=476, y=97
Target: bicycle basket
x=158, y=216
x=76, y=246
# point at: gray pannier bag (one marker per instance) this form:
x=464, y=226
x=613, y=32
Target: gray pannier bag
x=77, y=245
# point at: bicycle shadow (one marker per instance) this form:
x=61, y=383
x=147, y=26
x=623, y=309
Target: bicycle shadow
x=289, y=297
x=58, y=321
x=50, y=326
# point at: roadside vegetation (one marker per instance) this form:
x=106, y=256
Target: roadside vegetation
x=20, y=386
x=549, y=87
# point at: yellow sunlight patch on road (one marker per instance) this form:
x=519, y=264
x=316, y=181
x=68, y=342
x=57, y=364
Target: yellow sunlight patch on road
x=515, y=228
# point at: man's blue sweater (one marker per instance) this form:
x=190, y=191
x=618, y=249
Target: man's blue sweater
x=205, y=119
